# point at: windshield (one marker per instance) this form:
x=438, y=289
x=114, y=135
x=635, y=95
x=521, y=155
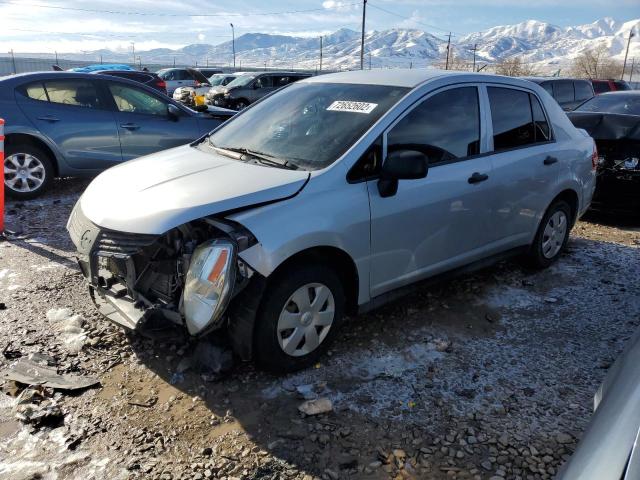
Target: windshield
x=216, y=79
x=197, y=76
x=241, y=81
x=612, y=103
x=308, y=125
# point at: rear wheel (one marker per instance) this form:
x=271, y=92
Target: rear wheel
x=552, y=235
x=299, y=317
x=28, y=171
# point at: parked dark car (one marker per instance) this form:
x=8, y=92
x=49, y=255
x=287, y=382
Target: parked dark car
x=603, y=86
x=613, y=120
x=248, y=88
x=146, y=78
x=182, y=77
x=568, y=92
x=61, y=124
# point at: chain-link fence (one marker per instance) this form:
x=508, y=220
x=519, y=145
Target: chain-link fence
x=20, y=63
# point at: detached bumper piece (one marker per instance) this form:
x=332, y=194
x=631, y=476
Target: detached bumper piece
x=121, y=311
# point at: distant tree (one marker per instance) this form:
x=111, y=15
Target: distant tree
x=455, y=62
x=596, y=63
x=515, y=67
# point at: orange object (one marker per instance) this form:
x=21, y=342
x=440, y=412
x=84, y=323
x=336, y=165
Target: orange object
x=218, y=266
x=2, y=186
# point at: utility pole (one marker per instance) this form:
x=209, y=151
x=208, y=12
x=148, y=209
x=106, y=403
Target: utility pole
x=624, y=65
x=446, y=66
x=364, y=15
x=410, y=65
x=100, y=60
x=133, y=50
x=13, y=60
x=320, y=69
x=57, y=58
x=233, y=44
x=369, y=60
x=174, y=62
x=633, y=63
x=475, y=47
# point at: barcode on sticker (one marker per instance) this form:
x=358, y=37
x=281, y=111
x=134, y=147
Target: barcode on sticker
x=347, y=106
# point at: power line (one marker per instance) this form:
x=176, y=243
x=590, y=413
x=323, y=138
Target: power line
x=101, y=35
x=414, y=20
x=160, y=14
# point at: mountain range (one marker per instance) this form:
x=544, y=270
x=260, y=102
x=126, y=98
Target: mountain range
x=547, y=46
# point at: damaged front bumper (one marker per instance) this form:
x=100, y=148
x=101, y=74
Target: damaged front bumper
x=186, y=276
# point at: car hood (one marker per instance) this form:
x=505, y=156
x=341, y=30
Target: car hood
x=155, y=193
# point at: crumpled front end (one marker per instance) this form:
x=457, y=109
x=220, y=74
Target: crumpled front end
x=187, y=275
x=618, y=180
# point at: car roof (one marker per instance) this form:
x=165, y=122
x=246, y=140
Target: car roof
x=620, y=93
x=410, y=78
x=547, y=79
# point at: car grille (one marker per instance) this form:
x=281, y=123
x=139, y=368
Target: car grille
x=122, y=243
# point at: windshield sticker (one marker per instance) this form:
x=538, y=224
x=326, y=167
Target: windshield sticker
x=347, y=106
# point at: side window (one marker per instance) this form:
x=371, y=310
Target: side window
x=227, y=80
x=132, y=100
x=35, y=91
x=583, y=90
x=600, y=86
x=182, y=75
x=548, y=87
x=542, y=132
x=444, y=127
x=168, y=76
x=281, y=81
x=263, y=82
x=564, y=92
x=511, y=118
x=80, y=93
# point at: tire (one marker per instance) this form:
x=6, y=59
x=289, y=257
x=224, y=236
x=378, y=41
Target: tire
x=282, y=299
x=241, y=105
x=35, y=163
x=551, y=240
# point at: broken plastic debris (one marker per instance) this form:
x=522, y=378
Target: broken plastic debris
x=31, y=373
x=316, y=407
x=307, y=392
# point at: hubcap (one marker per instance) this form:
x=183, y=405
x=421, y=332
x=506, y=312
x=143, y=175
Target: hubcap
x=23, y=172
x=306, y=319
x=554, y=233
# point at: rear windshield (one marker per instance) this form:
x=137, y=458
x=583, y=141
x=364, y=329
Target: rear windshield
x=310, y=125
x=628, y=104
x=621, y=85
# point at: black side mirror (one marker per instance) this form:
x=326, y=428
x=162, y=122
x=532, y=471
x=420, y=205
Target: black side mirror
x=200, y=108
x=401, y=165
x=173, y=112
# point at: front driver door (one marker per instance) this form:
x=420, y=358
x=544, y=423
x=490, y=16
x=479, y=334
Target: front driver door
x=144, y=124
x=441, y=221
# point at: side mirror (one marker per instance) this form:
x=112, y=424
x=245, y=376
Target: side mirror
x=401, y=165
x=173, y=112
x=200, y=108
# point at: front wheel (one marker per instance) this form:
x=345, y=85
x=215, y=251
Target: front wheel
x=552, y=235
x=28, y=171
x=299, y=317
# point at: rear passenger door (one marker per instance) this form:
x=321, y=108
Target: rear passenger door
x=73, y=115
x=442, y=221
x=524, y=165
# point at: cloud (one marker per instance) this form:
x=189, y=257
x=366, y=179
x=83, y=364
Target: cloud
x=331, y=4
x=201, y=37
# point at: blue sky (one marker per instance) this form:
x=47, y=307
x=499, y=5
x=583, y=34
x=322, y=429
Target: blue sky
x=27, y=26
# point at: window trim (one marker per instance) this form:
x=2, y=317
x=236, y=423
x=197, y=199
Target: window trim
x=423, y=99
x=489, y=125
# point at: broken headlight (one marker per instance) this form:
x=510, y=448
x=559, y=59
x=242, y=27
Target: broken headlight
x=209, y=284
x=630, y=163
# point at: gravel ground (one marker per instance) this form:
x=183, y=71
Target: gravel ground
x=489, y=376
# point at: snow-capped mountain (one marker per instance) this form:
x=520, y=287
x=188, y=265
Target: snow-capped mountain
x=552, y=45
x=548, y=46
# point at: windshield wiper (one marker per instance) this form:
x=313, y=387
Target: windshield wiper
x=263, y=158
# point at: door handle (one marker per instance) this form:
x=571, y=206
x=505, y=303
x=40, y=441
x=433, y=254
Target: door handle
x=130, y=126
x=550, y=160
x=477, y=177
x=49, y=118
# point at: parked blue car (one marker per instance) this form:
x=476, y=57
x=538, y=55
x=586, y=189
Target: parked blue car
x=61, y=124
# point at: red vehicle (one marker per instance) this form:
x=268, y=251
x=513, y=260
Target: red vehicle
x=602, y=86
